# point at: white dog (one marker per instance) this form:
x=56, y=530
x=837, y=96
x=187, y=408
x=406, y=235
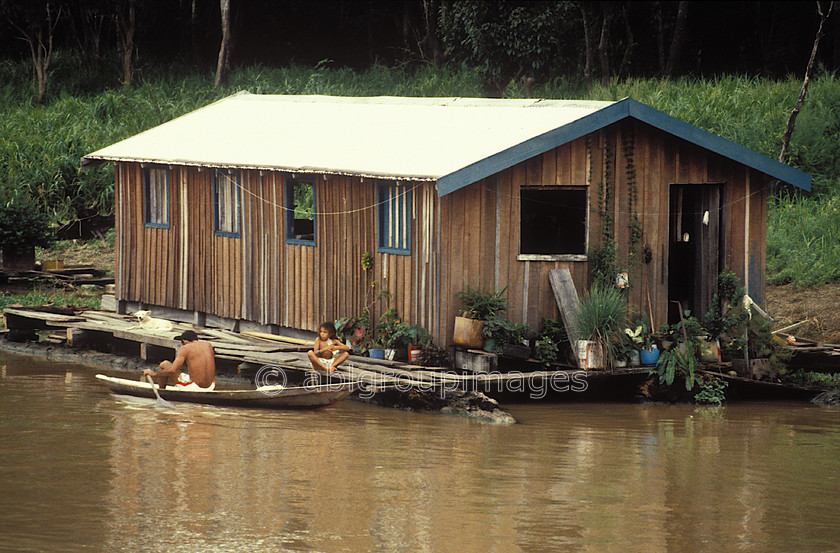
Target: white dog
x=147, y=322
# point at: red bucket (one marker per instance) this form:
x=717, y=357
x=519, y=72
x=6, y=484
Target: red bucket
x=414, y=353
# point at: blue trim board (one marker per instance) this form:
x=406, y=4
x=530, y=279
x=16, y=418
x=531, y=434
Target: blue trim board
x=606, y=116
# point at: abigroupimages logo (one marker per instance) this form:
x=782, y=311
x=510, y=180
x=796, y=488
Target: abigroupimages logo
x=272, y=380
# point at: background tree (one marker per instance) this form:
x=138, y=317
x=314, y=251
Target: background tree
x=223, y=63
x=808, y=70
x=509, y=41
x=36, y=22
x=677, y=39
x=126, y=27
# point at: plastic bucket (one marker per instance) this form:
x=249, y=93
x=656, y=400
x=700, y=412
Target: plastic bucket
x=414, y=353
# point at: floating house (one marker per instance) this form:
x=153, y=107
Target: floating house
x=257, y=211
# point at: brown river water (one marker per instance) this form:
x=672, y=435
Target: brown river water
x=84, y=470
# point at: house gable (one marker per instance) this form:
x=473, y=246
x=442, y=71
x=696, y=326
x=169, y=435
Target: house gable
x=607, y=116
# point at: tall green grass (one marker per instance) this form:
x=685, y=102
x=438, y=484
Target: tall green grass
x=803, y=241
x=51, y=296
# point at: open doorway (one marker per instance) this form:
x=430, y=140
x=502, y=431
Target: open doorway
x=695, y=246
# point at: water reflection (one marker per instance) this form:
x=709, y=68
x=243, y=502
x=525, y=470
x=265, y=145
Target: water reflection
x=83, y=469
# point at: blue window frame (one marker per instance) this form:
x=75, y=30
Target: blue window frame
x=300, y=212
x=156, y=192
x=394, y=213
x=226, y=204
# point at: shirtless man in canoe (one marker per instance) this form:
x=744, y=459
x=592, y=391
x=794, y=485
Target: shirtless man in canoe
x=199, y=358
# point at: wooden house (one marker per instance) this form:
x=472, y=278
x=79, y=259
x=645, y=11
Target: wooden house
x=257, y=211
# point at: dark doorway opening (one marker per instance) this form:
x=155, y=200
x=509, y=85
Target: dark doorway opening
x=695, y=246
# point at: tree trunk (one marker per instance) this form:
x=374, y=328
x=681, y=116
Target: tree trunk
x=631, y=44
x=604, y=43
x=808, y=70
x=224, y=50
x=660, y=36
x=588, y=18
x=677, y=40
x=126, y=27
x=194, y=32
x=40, y=52
x=430, y=45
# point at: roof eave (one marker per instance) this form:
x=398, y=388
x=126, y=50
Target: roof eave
x=90, y=161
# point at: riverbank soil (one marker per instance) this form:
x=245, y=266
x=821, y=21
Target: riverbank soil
x=820, y=307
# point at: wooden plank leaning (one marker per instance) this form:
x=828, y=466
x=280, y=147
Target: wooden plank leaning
x=567, y=300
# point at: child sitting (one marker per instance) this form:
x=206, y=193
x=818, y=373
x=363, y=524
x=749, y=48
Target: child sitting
x=328, y=351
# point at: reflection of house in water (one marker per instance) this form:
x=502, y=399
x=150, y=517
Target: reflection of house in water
x=256, y=210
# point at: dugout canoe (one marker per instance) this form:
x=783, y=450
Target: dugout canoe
x=270, y=396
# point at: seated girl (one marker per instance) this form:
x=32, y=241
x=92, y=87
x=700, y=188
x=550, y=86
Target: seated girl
x=328, y=352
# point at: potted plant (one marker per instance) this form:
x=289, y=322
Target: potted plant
x=515, y=341
x=386, y=332
x=635, y=339
x=411, y=338
x=493, y=332
x=505, y=337
x=352, y=330
x=478, y=305
x=643, y=342
x=376, y=350
x=602, y=314
x=625, y=350
x=550, y=338
x=546, y=351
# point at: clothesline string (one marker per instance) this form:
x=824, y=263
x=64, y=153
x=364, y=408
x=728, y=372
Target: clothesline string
x=490, y=189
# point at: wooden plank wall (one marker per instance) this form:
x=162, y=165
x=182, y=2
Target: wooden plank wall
x=258, y=277
x=479, y=223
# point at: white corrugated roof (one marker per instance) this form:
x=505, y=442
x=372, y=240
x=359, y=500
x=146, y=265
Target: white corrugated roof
x=454, y=141
x=402, y=138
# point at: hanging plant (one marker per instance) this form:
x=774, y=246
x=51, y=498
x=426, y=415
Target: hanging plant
x=603, y=258
x=634, y=225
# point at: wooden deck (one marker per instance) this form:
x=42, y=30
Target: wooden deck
x=279, y=357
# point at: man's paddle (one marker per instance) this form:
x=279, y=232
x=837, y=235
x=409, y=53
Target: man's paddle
x=160, y=402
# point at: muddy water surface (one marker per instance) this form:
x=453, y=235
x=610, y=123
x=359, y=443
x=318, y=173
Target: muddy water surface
x=84, y=470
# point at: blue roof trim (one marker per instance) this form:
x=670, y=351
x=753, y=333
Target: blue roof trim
x=530, y=148
x=607, y=116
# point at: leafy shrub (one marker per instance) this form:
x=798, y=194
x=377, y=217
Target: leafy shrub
x=712, y=392
x=435, y=356
x=481, y=303
x=23, y=227
x=674, y=362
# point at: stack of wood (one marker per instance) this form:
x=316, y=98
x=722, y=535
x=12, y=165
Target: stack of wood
x=76, y=275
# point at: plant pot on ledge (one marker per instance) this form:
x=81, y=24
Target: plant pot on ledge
x=517, y=351
x=468, y=332
x=590, y=355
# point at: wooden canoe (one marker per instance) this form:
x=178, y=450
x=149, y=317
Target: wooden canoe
x=273, y=397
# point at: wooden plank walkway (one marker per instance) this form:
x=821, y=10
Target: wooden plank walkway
x=250, y=352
